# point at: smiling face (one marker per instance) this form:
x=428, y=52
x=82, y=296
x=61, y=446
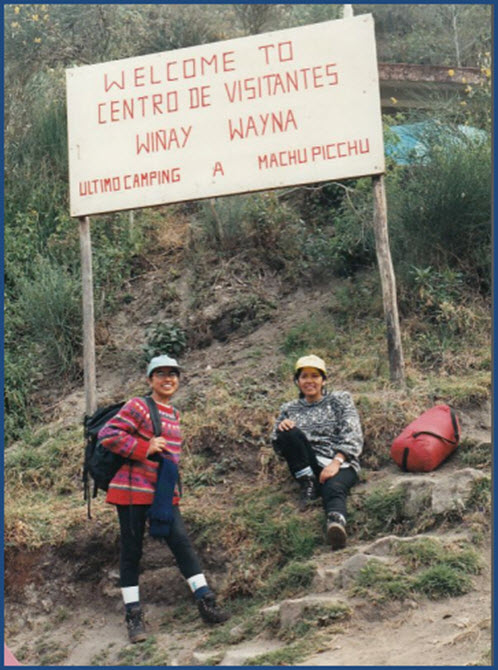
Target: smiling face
x=310, y=383
x=164, y=383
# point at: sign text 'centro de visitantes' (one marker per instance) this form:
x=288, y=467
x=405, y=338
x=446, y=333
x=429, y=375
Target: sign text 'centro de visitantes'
x=287, y=107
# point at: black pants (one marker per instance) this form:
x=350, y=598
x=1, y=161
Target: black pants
x=132, y=520
x=295, y=448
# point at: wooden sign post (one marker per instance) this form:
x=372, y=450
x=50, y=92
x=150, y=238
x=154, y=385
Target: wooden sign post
x=90, y=377
x=388, y=281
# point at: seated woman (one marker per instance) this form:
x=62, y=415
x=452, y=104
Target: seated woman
x=320, y=437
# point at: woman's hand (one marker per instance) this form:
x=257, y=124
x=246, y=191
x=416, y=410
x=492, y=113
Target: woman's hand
x=329, y=471
x=156, y=445
x=286, y=424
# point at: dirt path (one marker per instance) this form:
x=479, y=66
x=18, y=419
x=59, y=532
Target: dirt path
x=452, y=631
x=455, y=631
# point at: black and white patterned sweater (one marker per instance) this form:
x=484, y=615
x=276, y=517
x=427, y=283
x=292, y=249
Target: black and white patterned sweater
x=331, y=424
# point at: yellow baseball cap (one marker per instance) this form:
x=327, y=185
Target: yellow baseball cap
x=311, y=361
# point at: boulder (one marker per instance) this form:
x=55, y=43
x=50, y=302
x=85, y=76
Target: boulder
x=453, y=492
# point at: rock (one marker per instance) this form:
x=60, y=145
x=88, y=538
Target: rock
x=352, y=567
x=236, y=631
x=383, y=546
x=452, y=493
x=291, y=610
x=418, y=490
x=326, y=579
x=438, y=491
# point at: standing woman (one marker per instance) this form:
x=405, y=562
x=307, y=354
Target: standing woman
x=320, y=437
x=146, y=488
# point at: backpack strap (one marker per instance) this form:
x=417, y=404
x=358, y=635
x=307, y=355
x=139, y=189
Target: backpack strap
x=154, y=415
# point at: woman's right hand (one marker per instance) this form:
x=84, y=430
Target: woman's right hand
x=286, y=424
x=156, y=445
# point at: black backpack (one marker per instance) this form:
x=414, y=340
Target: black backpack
x=101, y=464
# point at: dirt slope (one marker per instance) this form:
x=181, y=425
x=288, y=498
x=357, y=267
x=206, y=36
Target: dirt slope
x=62, y=620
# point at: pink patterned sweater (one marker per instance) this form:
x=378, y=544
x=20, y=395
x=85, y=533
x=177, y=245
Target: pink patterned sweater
x=128, y=434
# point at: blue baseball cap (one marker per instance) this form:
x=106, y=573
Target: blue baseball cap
x=163, y=361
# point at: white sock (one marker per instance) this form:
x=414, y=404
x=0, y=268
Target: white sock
x=196, y=582
x=305, y=472
x=130, y=594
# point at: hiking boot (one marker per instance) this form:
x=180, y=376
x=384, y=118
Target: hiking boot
x=135, y=624
x=336, y=532
x=209, y=611
x=309, y=491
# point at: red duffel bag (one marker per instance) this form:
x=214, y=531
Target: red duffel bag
x=427, y=441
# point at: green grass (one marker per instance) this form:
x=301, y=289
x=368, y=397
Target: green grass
x=290, y=580
x=288, y=655
x=480, y=496
x=429, y=567
x=475, y=455
x=276, y=527
x=442, y=581
x=50, y=652
x=305, y=636
x=378, y=512
x=381, y=581
x=145, y=653
x=247, y=621
x=46, y=461
x=420, y=552
x=316, y=333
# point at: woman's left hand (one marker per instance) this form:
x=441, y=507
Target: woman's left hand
x=329, y=471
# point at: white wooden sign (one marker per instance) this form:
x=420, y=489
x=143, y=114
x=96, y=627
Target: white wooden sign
x=288, y=107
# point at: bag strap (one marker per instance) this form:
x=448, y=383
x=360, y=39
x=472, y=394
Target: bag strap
x=455, y=423
x=154, y=415
x=440, y=437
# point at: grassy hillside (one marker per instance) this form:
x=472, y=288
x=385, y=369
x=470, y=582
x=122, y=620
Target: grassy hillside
x=239, y=502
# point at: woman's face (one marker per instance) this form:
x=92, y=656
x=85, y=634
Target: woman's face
x=164, y=383
x=310, y=383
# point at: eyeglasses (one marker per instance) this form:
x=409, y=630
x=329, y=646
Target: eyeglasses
x=163, y=374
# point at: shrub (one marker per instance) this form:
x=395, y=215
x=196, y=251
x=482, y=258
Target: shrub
x=18, y=384
x=164, y=338
x=440, y=212
x=347, y=244
x=261, y=226
x=50, y=306
x=315, y=334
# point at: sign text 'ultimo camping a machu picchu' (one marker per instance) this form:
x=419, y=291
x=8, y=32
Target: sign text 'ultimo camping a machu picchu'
x=288, y=107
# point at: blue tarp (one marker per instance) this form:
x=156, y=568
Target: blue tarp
x=412, y=142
